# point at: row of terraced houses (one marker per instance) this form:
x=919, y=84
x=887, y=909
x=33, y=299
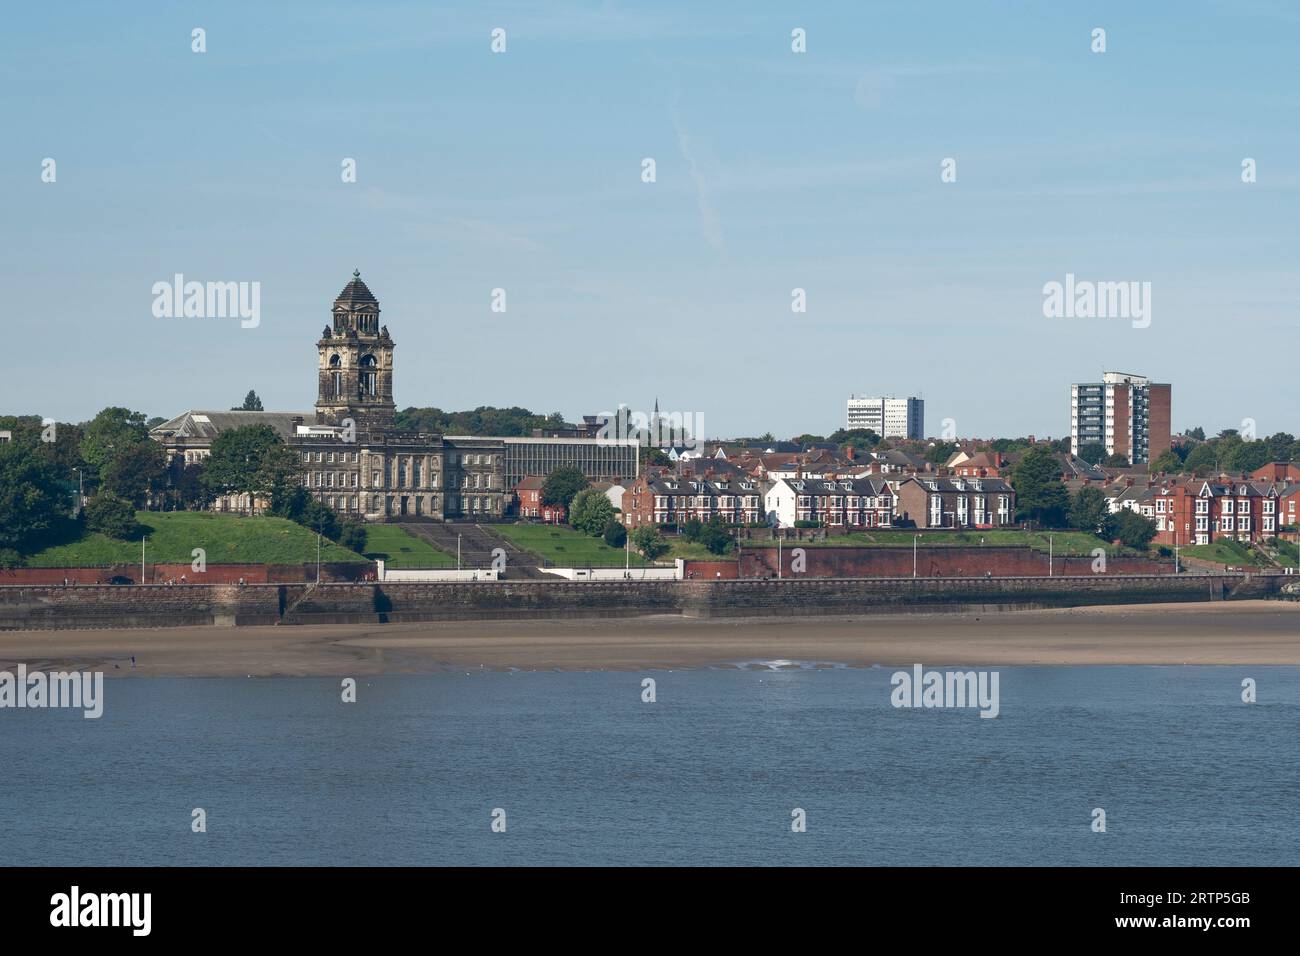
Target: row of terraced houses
x=829, y=500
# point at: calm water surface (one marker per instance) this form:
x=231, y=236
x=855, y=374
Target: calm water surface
x=589, y=774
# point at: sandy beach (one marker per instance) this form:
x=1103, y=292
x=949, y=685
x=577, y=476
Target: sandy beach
x=1255, y=632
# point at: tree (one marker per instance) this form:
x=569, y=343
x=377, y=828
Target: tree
x=31, y=502
x=1131, y=529
x=863, y=439
x=590, y=511
x=109, y=433
x=1093, y=452
x=940, y=452
x=1168, y=463
x=110, y=515
x=185, y=486
x=1040, y=494
x=1281, y=446
x=651, y=456
x=251, y=403
x=1248, y=456
x=562, y=484
x=251, y=460
x=691, y=529
x=1201, y=460
x=1198, y=433
x=353, y=536
x=1088, y=510
x=715, y=536
x=1117, y=460
x=615, y=533
x=648, y=542
x=136, y=472
x=807, y=439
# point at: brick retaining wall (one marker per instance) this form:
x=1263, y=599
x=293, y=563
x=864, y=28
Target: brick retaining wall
x=167, y=606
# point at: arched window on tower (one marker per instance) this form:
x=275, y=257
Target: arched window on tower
x=367, y=381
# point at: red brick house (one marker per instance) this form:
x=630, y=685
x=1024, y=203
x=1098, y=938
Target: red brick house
x=528, y=502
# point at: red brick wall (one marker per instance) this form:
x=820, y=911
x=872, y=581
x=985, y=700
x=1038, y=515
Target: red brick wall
x=1158, y=420
x=215, y=574
x=931, y=562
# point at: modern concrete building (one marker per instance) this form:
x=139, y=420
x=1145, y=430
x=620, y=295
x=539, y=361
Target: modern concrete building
x=1127, y=414
x=887, y=417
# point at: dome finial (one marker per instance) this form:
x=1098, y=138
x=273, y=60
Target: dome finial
x=356, y=273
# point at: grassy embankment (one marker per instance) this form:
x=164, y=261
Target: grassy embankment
x=172, y=536
x=398, y=548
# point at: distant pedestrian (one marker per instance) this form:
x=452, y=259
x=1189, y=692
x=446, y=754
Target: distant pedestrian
x=132, y=661
x=182, y=579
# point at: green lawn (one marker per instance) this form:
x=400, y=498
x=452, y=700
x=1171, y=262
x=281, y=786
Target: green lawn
x=398, y=548
x=563, y=547
x=1286, y=554
x=173, y=536
x=1225, y=551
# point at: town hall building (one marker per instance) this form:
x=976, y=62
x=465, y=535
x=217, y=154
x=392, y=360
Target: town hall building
x=358, y=462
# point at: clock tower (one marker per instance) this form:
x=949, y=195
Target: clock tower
x=356, y=364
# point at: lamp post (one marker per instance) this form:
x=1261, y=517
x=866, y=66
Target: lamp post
x=143, y=538
x=915, y=538
x=457, y=552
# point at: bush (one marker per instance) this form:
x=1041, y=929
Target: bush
x=715, y=537
x=807, y=524
x=615, y=534
x=649, y=542
x=692, y=528
x=9, y=558
x=111, y=516
x=353, y=537
x=1132, y=530
x=591, y=512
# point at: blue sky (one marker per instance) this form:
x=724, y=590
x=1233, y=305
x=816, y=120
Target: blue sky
x=775, y=170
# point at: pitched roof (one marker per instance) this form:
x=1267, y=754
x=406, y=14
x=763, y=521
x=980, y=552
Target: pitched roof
x=209, y=424
x=355, y=294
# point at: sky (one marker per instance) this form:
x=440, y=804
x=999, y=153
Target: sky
x=774, y=171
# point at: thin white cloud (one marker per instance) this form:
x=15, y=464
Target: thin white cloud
x=710, y=226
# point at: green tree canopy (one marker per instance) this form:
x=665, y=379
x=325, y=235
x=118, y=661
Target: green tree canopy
x=1041, y=496
x=562, y=484
x=111, y=432
x=251, y=403
x=1168, y=463
x=136, y=472
x=110, y=515
x=32, y=498
x=648, y=542
x=1093, y=452
x=590, y=511
x=1088, y=510
x=1131, y=529
x=615, y=533
x=251, y=460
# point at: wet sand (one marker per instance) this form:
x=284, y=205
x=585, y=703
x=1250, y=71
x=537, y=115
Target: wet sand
x=1247, y=632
